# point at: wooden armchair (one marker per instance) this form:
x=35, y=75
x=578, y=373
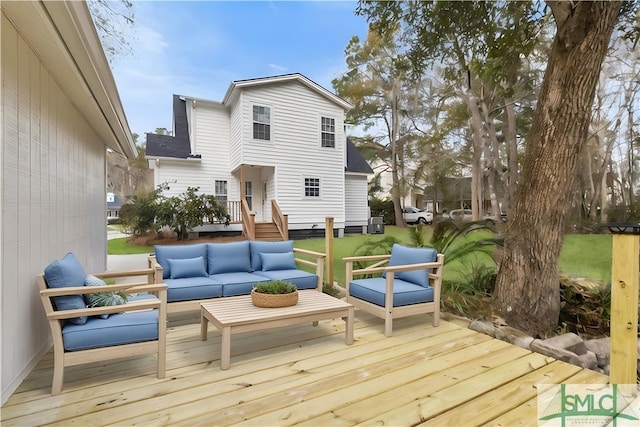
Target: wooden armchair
x=410, y=284
x=109, y=332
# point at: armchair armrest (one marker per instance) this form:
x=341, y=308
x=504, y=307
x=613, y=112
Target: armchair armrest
x=318, y=263
x=156, y=267
x=159, y=301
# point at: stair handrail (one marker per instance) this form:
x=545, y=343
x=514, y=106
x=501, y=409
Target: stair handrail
x=248, y=221
x=280, y=220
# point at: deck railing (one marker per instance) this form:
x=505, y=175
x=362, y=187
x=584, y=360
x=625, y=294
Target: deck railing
x=248, y=221
x=280, y=220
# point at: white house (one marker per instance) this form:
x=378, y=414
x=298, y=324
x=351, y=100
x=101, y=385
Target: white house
x=276, y=138
x=60, y=110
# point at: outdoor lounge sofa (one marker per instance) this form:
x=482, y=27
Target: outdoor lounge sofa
x=198, y=272
x=85, y=328
x=410, y=284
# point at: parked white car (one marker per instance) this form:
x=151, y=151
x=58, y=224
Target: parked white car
x=414, y=215
x=461, y=215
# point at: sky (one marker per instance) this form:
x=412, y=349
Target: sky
x=198, y=48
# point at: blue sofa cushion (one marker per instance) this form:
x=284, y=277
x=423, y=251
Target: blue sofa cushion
x=278, y=261
x=163, y=253
x=404, y=293
x=228, y=257
x=403, y=255
x=187, y=267
x=301, y=279
x=192, y=288
x=102, y=299
x=118, y=329
x=258, y=247
x=239, y=283
x=67, y=272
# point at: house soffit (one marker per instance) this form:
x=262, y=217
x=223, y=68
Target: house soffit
x=63, y=36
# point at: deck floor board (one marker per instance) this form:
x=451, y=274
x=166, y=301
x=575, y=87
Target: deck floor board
x=304, y=375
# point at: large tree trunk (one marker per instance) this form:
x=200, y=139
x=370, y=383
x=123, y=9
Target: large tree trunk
x=527, y=287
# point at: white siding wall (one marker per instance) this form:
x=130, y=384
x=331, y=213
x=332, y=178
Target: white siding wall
x=356, y=203
x=210, y=130
x=295, y=149
x=53, y=199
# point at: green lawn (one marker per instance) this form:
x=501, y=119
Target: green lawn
x=583, y=255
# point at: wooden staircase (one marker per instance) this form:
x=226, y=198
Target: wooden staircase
x=267, y=231
x=277, y=229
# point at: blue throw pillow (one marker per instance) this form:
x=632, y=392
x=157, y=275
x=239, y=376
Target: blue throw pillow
x=64, y=273
x=258, y=247
x=187, y=267
x=163, y=253
x=102, y=299
x=403, y=255
x=278, y=261
x=230, y=257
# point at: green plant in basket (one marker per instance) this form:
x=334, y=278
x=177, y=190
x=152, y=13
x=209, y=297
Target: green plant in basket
x=275, y=287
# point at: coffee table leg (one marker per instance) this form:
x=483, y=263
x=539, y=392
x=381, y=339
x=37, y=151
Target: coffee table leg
x=204, y=322
x=225, y=348
x=348, y=332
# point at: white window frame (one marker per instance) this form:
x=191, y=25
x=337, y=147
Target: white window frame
x=258, y=121
x=307, y=187
x=329, y=131
x=220, y=195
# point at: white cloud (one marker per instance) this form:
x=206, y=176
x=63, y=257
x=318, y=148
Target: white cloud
x=278, y=68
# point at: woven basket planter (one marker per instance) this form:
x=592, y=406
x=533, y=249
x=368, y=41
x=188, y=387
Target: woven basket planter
x=274, y=300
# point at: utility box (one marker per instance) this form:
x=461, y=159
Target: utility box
x=376, y=225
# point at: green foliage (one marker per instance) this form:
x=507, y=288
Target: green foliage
x=150, y=211
x=383, y=208
x=275, y=287
x=189, y=210
x=139, y=214
x=451, y=239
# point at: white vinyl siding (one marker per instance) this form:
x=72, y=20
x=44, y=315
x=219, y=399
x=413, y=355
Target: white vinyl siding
x=295, y=149
x=53, y=198
x=356, y=200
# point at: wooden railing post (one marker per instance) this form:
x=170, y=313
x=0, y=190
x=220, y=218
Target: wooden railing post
x=625, y=275
x=328, y=236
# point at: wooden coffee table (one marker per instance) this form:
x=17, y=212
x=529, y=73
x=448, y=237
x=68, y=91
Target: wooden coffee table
x=238, y=314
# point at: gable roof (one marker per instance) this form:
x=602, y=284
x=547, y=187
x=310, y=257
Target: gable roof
x=240, y=84
x=355, y=160
x=178, y=145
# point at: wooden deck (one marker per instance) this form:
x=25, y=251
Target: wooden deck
x=442, y=376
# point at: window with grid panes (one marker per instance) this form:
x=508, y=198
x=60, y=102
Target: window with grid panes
x=312, y=187
x=261, y=122
x=328, y=132
x=220, y=190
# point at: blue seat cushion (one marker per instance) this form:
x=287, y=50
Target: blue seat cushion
x=118, y=329
x=404, y=293
x=67, y=272
x=403, y=255
x=239, y=283
x=228, y=257
x=163, y=253
x=192, y=288
x=301, y=279
x=258, y=247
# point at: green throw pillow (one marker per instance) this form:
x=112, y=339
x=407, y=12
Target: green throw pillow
x=102, y=299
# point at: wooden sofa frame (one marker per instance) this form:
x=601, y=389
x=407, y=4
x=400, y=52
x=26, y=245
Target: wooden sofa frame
x=194, y=305
x=389, y=312
x=56, y=320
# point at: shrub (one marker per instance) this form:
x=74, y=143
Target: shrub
x=275, y=287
